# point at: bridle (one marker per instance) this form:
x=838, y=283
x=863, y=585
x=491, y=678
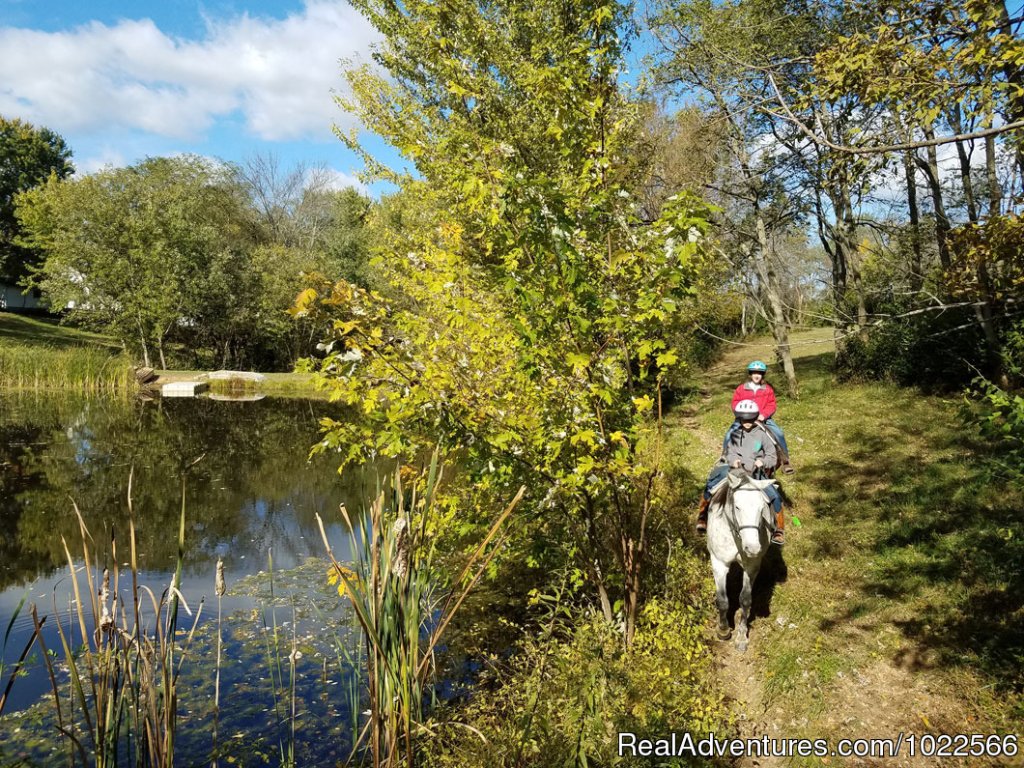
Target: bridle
x=730, y=517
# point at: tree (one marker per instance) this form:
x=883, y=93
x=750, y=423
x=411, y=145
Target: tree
x=303, y=227
x=145, y=252
x=529, y=303
x=706, y=46
x=28, y=157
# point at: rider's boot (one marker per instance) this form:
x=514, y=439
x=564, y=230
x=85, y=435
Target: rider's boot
x=702, y=517
x=779, y=536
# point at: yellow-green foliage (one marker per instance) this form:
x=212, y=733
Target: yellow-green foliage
x=83, y=368
x=565, y=700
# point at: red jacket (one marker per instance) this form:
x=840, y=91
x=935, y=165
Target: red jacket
x=764, y=397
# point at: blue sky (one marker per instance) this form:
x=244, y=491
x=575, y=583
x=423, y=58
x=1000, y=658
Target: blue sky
x=224, y=78
x=122, y=81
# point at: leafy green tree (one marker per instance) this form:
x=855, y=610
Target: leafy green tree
x=28, y=156
x=144, y=252
x=526, y=303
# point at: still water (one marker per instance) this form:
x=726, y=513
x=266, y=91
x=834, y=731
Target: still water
x=252, y=495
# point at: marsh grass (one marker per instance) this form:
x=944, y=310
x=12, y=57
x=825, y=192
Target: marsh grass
x=396, y=594
x=87, y=369
x=12, y=671
x=124, y=657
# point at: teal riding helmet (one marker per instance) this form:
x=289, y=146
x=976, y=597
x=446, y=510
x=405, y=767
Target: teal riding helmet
x=757, y=367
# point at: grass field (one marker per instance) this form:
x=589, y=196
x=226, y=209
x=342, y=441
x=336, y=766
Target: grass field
x=21, y=329
x=898, y=603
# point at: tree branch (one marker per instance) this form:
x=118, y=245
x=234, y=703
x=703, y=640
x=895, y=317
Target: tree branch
x=884, y=148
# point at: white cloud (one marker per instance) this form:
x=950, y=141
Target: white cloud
x=108, y=157
x=278, y=74
x=338, y=180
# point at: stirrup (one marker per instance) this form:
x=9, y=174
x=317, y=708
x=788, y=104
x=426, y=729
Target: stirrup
x=702, y=527
x=779, y=538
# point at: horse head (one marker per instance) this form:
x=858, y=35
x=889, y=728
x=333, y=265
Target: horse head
x=751, y=510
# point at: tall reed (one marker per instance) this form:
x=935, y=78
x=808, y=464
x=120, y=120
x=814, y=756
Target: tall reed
x=275, y=664
x=219, y=588
x=12, y=673
x=123, y=675
x=396, y=593
x=24, y=366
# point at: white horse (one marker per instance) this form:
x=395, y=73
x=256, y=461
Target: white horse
x=739, y=527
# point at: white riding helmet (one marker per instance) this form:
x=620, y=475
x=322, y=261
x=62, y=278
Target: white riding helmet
x=747, y=410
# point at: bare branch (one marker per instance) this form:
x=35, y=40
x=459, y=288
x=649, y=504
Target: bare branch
x=884, y=148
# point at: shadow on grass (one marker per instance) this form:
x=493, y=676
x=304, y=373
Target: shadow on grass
x=773, y=572
x=917, y=502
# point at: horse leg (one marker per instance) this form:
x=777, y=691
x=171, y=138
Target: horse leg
x=721, y=573
x=746, y=598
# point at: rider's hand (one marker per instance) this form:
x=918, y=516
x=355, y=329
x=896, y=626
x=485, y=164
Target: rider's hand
x=760, y=417
x=758, y=463
x=737, y=464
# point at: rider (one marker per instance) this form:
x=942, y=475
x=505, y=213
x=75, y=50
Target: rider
x=749, y=447
x=761, y=392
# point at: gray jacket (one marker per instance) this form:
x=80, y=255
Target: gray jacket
x=748, y=446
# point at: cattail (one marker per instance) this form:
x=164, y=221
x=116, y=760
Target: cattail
x=106, y=620
x=401, y=532
x=220, y=588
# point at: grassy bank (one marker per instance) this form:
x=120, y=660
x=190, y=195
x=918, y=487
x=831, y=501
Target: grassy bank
x=87, y=369
x=41, y=354
x=898, y=603
x=24, y=330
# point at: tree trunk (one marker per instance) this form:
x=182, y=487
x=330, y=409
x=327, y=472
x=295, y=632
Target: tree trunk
x=916, y=275
x=142, y=342
x=845, y=247
x=594, y=564
x=769, y=281
x=956, y=121
x=995, y=192
x=931, y=172
x=849, y=229
x=160, y=349
x=983, y=308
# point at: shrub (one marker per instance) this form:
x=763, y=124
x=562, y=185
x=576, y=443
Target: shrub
x=935, y=351
x=573, y=687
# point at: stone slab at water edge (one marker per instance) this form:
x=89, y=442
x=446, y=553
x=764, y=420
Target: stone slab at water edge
x=183, y=388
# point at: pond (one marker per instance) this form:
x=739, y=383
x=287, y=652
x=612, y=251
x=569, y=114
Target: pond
x=251, y=499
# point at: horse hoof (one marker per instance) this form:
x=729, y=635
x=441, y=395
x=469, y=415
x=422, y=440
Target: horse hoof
x=741, y=647
x=724, y=634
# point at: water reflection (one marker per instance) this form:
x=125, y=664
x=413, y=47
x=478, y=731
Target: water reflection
x=253, y=492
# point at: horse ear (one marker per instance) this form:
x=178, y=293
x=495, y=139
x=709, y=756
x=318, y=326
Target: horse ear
x=762, y=484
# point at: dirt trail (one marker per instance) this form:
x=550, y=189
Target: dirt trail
x=819, y=664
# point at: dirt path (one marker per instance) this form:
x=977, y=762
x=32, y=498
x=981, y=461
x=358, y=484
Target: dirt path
x=849, y=641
